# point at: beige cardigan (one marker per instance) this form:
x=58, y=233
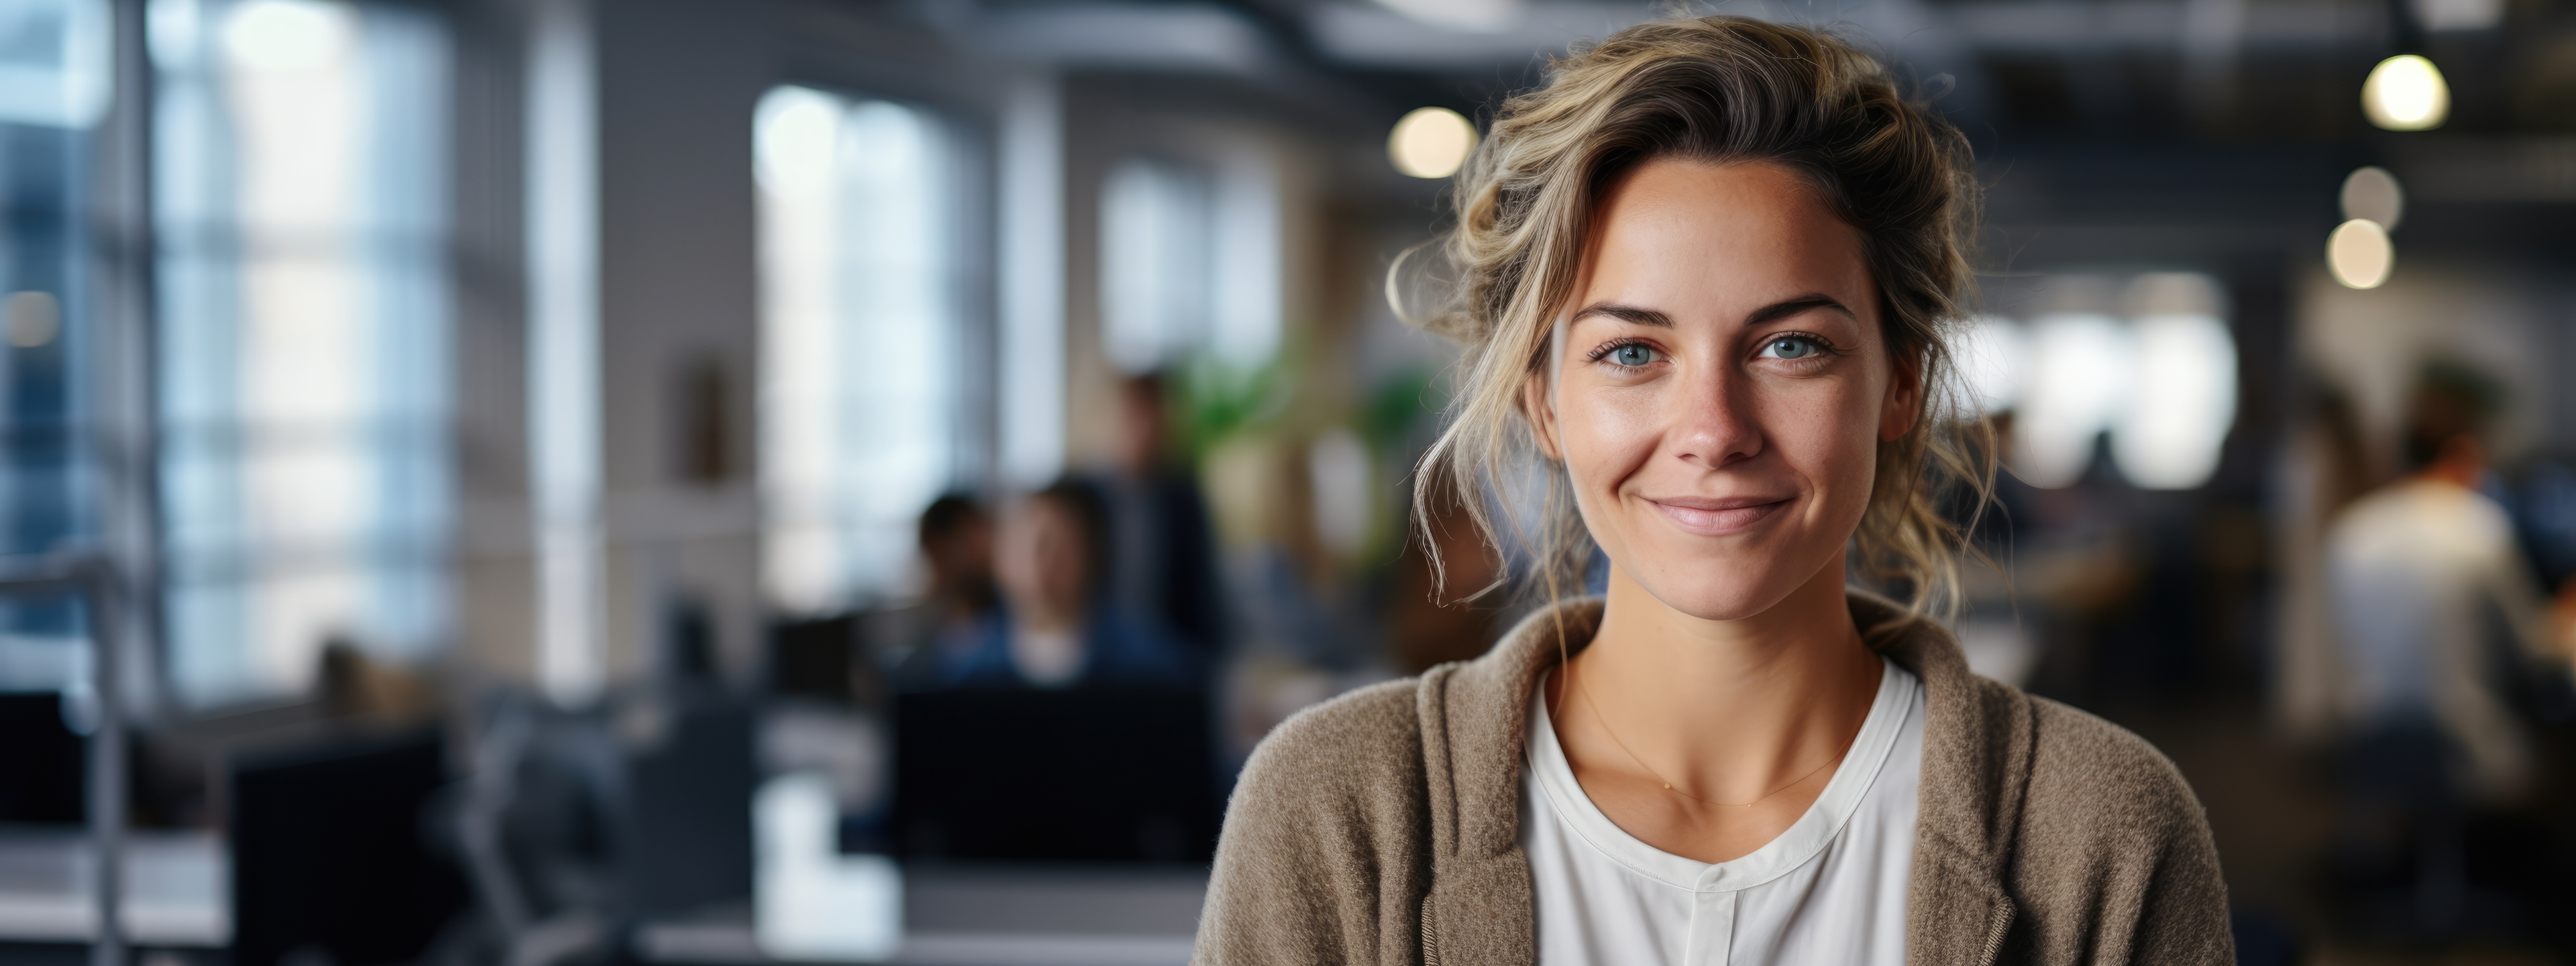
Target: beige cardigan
x=1384, y=826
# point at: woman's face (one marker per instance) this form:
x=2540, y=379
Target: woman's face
x=1040, y=561
x=1722, y=386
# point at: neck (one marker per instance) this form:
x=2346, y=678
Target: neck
x=2464, y=475
x=1046, y=618
x=1730, y=707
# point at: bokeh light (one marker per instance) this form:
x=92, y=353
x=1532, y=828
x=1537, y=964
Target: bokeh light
x=1431, y=142
x=2406, y=93
x=2359, y=255
x=2373, y=193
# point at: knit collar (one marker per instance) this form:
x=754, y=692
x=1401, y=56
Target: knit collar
x=1976, y=762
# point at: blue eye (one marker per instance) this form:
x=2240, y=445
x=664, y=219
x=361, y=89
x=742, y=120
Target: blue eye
x=1632, y=355
x=1792, y=347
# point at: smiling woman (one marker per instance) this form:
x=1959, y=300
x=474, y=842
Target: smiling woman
x=1707, y=273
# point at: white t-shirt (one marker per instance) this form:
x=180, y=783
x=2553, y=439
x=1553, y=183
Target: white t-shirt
x=1830, y=890
x=2417, y=575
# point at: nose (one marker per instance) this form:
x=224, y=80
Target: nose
x=1713, y=424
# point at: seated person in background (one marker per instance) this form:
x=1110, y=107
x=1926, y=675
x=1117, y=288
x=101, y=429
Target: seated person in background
x=1057, y=626
x=957, y=547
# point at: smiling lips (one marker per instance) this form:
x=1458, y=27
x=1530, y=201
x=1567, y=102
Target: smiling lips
x=1717, y=518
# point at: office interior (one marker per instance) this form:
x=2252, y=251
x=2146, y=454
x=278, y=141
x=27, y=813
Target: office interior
x=470, y=465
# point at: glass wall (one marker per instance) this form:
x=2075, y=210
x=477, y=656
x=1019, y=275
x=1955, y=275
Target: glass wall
x=1157, y=241
x=1190, y=261
x=860, y=340
x=300, y=191
x=54, y=89
x=2148, y=360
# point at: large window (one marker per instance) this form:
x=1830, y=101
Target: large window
x=1190, y=261
x=1157, y=247
x=300, y=190
x=53, y=91
x=2147, y=360
x=860, y=346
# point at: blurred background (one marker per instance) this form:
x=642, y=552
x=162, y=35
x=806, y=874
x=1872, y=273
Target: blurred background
x=681, y=481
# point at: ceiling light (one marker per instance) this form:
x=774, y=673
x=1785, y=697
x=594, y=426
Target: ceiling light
x=287, y=35
x=1472, y=16
x=2443, y=15
x=2373, y=193
x=1431, y=142
x=2359, y=255
x=2406, y=93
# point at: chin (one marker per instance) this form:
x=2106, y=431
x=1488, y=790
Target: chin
x=1713, y=591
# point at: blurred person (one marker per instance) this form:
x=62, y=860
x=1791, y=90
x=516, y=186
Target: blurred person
x=2323, y=468
x=1706, y=275
x=956, y=540
x=957, y=544
x=1162, y=560
x=2420, y=576
x=348, y=682
x=1057, y=627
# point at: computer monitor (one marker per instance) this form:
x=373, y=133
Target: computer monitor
x=1088, y=775
x=331, y=853
x=814, y=658
x=43, y=765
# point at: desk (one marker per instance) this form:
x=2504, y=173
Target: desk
x=991, y=917
x=178, y=888
x=178, y=894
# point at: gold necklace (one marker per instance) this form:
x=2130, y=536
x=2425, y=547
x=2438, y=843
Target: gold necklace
x=1586, y=691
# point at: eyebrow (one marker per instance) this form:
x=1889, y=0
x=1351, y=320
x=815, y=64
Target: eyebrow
x=1781, y=310
x=1630, y=314
x=1636, y=315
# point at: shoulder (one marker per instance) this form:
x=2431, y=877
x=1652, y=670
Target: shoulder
x=1364, y=744
x=1339, y=785
x=978, y=655
x=2489, y=518
x=1326, y=825
x=1140, y=651
x=2090, y=779
x=2114, y=860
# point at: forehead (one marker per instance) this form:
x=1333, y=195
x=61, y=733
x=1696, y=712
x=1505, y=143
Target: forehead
x=1036, y=509
x=1050, y=514
x=1678, y=235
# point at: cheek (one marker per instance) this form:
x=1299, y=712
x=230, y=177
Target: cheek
x=1061, y=559
x=1608, y=432
x=1833, y=438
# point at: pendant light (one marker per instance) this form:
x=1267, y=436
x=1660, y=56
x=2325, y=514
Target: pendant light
x=2406, y=93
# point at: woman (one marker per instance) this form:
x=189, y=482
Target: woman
x=1058, y=627
x=1704, y=272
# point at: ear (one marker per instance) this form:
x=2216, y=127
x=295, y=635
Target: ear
x=1541, y=416
x=1903, y=406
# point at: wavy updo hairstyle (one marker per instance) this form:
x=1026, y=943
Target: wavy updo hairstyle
x=1714, y=89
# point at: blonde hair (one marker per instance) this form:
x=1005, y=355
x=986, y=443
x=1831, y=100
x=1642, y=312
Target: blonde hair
x=1714, y=89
